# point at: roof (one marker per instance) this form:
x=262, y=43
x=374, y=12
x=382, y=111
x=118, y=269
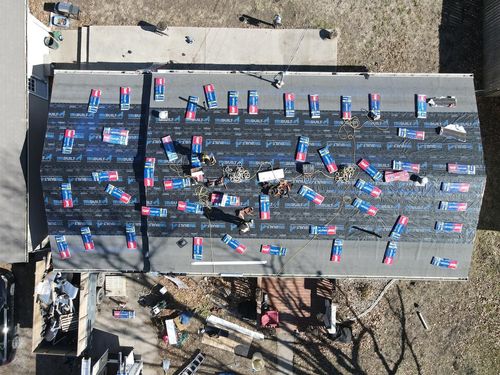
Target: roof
x=13, y=106
x=307, y=256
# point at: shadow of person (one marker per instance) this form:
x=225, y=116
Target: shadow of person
x=216, y=214
x=157, y=29
x=252, y=21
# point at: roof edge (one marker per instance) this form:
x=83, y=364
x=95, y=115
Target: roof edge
x=322, y=74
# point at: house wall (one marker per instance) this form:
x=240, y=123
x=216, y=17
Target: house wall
x=38, y=106
x=491, y=43
x=13, y=106
x=37, y=52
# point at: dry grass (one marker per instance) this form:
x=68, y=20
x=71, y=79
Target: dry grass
x=382, y=35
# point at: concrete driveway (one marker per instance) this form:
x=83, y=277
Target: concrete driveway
x=139, y=333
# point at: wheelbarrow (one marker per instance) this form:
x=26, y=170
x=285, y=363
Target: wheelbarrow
x=52, y=40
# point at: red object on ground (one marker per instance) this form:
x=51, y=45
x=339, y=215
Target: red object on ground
x=270, y=319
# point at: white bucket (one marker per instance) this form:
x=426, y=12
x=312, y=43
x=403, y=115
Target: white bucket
x=258, y=363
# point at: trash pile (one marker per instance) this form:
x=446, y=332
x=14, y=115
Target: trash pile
x=56, y=297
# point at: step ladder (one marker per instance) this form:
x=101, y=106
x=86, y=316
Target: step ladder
x=194, y=365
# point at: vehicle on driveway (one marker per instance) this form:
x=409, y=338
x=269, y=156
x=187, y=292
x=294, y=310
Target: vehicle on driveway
x=9, y=340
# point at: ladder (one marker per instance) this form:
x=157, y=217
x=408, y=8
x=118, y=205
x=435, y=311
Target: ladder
x=194, y=365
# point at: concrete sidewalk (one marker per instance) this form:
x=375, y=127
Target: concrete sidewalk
x=284, y=352
x=133, y=44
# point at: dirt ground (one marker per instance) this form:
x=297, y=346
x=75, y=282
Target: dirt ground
x=206, y=295
x=383, y=36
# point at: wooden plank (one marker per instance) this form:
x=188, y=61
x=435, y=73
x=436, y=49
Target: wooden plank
x=82, y=313
x=37, y=317
x=171, y=333
x=211, y=341
x=234, y=339
x=233, y=327
x=100, y=364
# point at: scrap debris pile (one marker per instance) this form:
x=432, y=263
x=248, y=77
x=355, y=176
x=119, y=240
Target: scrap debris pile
x=58, y=305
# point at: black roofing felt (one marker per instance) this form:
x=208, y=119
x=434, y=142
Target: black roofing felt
x=258, y=143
